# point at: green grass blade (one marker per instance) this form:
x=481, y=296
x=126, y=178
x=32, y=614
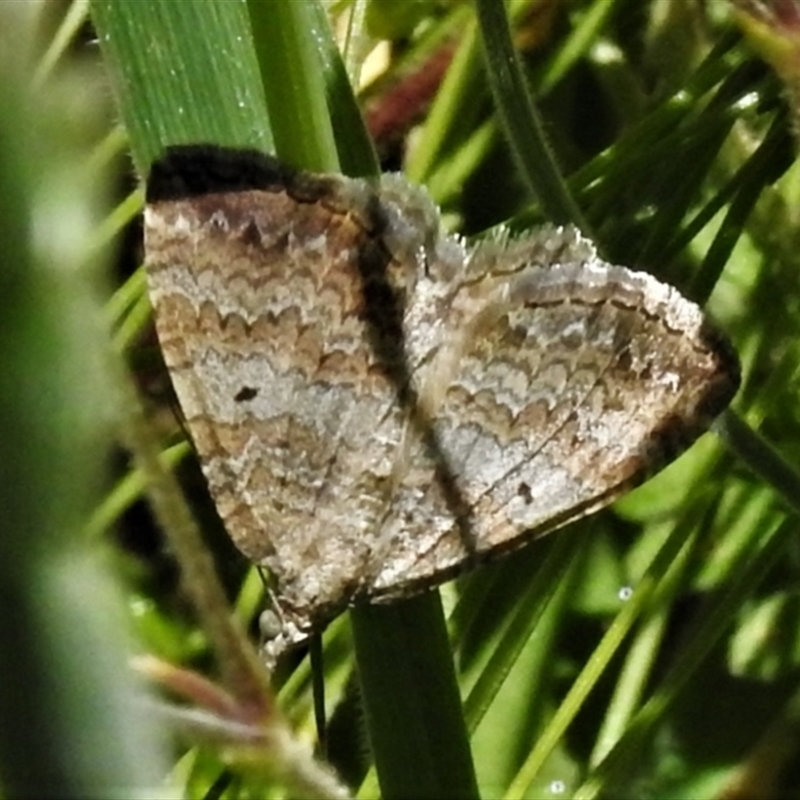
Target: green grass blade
x=412, y=701
x=183, y=72
x=761, y=457
x=521, y=119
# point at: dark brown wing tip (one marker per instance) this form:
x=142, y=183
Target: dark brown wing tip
x=190, y=170
x=728, y=374
x=675, y=434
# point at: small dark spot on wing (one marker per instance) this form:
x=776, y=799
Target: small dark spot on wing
x=244, y=394
x=524, y=491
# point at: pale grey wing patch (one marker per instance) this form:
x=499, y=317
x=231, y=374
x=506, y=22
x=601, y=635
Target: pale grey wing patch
x=593, y=391
x=511, y=459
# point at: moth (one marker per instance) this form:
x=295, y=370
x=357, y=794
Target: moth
x=378, y=405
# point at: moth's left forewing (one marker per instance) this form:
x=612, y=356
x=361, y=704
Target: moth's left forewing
x=267, y=286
